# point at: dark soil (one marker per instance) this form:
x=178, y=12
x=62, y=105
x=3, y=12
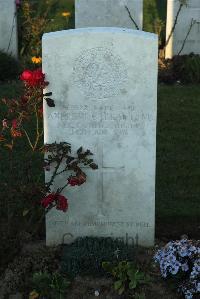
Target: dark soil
x=84, y=288
x=36, y=257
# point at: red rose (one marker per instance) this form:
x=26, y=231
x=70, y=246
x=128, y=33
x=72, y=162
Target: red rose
x=26, y=75
x=61, y=203
x=48, y=200
x=38, y=75
x=33, y=78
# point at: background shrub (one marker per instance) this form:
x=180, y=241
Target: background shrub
x=186, y=68
x=38, y=17
x=155, y=18
x=9, y=67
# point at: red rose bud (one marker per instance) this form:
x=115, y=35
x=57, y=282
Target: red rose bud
x=73, y=181
x=81, y=179
x=62, y=203
x=14, y=124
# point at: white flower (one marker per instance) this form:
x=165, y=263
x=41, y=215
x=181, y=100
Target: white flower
x=96, y=293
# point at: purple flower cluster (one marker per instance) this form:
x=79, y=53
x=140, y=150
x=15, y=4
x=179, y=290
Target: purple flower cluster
x=190, y=288
x=181, y=257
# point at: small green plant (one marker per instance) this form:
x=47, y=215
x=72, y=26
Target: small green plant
x=51, y=286
x=126, y=275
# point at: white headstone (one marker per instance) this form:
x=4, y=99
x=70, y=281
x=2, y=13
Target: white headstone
x=188, y=13
x=8, y=27
x=108, y=13
x=104, y=83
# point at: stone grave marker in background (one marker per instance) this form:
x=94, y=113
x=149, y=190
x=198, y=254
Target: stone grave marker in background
x=188, y=14
x=104, y=83
x=8, y=27
x=108, y=13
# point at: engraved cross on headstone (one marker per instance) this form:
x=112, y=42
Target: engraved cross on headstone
x=102, y=168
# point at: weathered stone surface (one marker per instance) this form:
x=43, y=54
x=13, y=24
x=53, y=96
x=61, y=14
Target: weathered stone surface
x=188, y=13
x=108, y=13
x=104, y=83
x=8, y=27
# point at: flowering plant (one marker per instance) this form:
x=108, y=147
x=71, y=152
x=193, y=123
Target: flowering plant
x=181, y=259
x=59, y=159
x=37, y=17
x=23, y=121
x=21, y=111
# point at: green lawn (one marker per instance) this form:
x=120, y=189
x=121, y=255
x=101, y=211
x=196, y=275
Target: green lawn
x=178, y=152
x=178, y=160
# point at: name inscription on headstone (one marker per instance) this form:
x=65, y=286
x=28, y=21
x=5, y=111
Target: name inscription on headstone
x=101, y=119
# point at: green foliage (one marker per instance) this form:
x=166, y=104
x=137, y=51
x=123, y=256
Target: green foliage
x=126, y=275
x=154, y=18
x=38, y=17
x=52, y=286
x=186, y=68
x=85, y=255
x=177, y=167
x=9, y=67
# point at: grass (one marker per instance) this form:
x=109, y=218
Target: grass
x=178, y=151
x=178, y=157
